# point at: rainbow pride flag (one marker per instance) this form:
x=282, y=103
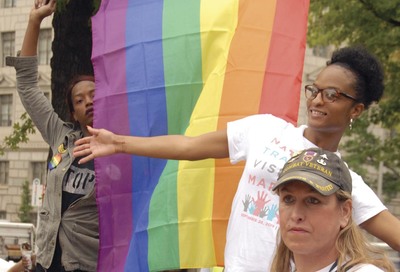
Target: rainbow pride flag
x=184, y=67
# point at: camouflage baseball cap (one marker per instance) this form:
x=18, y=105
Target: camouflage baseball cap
x=321, y=169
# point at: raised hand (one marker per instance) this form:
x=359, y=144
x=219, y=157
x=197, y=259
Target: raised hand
x=42, y=9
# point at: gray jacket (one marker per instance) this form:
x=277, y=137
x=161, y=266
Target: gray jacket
x=78, y=226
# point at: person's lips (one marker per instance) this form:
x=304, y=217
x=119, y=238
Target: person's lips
x=298, y=230
x=89, y=112
x=317, y=113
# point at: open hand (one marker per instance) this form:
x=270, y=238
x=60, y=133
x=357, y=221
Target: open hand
x=100, y=144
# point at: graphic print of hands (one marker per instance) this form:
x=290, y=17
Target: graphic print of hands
x=263, y=212
x=252, y=208
x=246, y=203
x=260, y=202
x=272, y=211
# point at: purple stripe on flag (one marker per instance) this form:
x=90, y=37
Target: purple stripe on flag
x=112, y=176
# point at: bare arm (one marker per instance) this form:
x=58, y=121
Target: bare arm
x=176, y=147
x=18, y=267
x=386, y=227
x=37, y=14
x=22, y=264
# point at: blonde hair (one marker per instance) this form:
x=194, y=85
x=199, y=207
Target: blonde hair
x=352, y=247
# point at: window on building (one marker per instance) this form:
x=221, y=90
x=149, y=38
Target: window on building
x=39, y=171
x=8, y=3
x=3, y=215
x=44, y=46
x=5, y=110
x=4, y=166
x=7, y=45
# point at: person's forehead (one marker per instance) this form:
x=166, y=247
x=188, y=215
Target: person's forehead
x=83, y=87
x=335, y=76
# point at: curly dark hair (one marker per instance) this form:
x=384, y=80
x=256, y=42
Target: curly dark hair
x=367, y=70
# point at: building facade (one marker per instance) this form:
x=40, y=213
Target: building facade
x=29, y=161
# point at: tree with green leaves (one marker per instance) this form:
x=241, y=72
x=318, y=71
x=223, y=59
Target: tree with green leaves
x=19, y=134
x=376, y=26
x=26, y=208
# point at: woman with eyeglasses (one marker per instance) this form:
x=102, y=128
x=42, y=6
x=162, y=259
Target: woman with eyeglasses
x=352, y=80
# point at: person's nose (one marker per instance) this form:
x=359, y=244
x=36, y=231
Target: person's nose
x=89, y=100
x=318, y=99
x=298, y=213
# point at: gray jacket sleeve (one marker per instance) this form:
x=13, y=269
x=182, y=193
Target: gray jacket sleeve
x=36, y=104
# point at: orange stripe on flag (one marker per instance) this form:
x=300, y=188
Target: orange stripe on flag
x=242, y=89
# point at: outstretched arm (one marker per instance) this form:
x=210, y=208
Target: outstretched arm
x=37, y=14
x=176, y=147
x=386, y=227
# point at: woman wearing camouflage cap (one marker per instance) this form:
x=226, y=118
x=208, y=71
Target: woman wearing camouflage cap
x=316, y=225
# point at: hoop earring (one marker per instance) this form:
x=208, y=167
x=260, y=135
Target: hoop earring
x=351, y=124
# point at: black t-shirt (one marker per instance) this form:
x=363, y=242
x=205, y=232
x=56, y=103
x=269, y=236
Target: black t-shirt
x=78, y=182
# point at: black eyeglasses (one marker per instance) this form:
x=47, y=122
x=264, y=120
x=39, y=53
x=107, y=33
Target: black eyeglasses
x=329, y=95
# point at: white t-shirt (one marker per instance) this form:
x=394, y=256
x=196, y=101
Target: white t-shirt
x=266, y=142
x=357, y=268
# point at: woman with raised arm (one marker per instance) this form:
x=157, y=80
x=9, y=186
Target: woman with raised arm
x=352, y=80
x=67, y=235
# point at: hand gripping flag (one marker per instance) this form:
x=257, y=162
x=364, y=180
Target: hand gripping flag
x=184, y=67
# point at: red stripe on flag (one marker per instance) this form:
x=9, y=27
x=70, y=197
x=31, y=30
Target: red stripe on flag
x=283, y=75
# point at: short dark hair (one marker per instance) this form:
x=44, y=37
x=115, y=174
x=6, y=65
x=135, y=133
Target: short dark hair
x=73, y=82
x=367, y=70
